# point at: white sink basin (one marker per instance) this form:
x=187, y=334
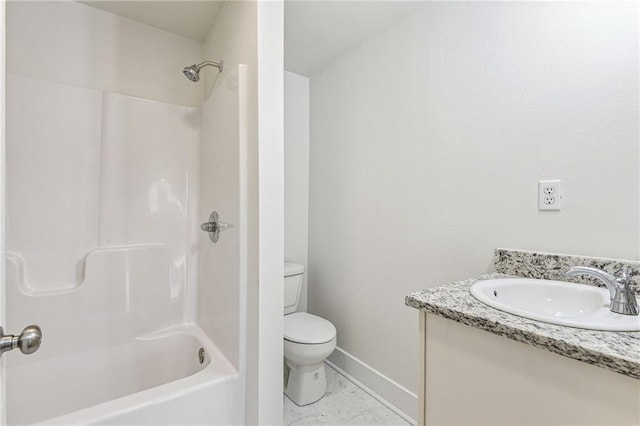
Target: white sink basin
x=555, y=302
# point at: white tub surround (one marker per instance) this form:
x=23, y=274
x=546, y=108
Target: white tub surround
x=114, y=160
x=102, y=200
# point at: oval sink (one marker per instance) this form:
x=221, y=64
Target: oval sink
x=555, y=302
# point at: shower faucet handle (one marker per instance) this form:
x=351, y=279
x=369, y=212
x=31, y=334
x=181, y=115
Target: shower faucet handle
x=214, y=226
x=28, y=341
x=209, y=227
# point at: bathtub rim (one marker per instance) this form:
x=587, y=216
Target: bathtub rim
x=218, y=370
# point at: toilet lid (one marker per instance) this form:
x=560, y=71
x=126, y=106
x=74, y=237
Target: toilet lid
x=301, y=327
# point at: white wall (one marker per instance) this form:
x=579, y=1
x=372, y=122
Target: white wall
x=75, y=44
x=296, y=173
x=232, y=39
x=427, y=143
x=271, y=202
x=251, y=33
x=3, y=56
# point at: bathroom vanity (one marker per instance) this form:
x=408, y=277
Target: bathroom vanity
x=480, y=365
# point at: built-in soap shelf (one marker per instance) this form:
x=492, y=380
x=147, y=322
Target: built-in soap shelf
x=115, y=264
x=126, y=291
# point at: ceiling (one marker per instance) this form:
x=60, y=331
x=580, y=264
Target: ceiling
x=191, y=19
x=316, y=32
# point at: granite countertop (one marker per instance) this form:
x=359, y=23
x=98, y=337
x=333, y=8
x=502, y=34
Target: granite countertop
x=616, y=351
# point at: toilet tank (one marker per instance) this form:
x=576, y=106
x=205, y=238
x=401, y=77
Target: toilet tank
x=293, y=274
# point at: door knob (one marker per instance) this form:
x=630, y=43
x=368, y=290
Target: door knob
x=28, y=341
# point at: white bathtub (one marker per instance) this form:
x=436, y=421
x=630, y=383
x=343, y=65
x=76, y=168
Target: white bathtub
x=152, y=380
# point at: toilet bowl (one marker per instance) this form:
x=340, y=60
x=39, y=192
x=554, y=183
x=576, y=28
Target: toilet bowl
x=308, y=341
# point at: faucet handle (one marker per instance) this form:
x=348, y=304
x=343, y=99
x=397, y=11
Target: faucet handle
x=625, y=277
x=626, y=274
x=624, y=301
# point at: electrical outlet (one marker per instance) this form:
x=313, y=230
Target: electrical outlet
x=550, y=195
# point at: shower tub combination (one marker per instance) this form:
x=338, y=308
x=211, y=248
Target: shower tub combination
x=142, y=314
x=179, y=378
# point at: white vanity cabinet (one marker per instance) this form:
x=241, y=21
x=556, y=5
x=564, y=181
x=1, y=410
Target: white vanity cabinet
x=471, y=376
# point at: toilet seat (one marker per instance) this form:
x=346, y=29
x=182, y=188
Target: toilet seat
x=301, y=327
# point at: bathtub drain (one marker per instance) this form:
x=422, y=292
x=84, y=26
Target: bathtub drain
x=201, y=354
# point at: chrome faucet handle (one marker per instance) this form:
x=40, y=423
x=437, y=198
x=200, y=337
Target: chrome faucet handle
x=210, y=227
x=214, y=226
x=626, y=275
x=625, y=301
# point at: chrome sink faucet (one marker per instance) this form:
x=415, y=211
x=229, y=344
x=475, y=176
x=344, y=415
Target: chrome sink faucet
x=623, y=300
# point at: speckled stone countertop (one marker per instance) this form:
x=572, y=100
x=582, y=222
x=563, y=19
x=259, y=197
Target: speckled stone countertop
x=616, y=351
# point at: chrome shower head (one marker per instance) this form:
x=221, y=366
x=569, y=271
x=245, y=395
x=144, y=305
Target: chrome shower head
x=192, y=72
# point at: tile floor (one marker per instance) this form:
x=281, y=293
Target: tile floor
x=344, y=404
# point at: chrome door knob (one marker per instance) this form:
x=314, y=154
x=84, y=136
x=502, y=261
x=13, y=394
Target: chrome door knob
x=28, y=341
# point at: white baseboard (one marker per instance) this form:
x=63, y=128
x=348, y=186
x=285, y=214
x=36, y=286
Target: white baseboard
x=398, y=398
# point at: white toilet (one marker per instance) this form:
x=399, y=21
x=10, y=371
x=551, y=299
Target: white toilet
x=308, y=340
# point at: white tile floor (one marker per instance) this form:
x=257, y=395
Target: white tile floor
x=344, y=404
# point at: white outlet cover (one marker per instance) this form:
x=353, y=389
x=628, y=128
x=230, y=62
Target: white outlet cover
x=550, y=195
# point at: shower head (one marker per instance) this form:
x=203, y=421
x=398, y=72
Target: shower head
x=192, y=72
